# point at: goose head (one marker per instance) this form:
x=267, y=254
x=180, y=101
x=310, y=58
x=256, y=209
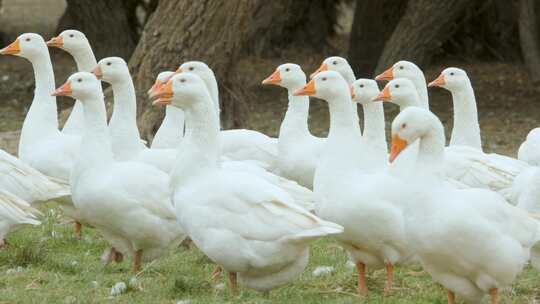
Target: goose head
x=451, y=79
x=81, y=85
x=71, y=41
x=400, y=69
x=112, y=70
x=400, y=91
x=364, y=90
x=182, y=90
x=28, y=45
x=410, y=125
x=288, y=75
x=198, y=68
x=326, y=85
x=337, y=64
x=161, y=79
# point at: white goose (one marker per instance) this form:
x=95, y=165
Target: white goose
x=42, y=145
x=171, y=130
x=128, y=202
x=255, y=231
x=299, y=150
x=353, y=191
x=76, y=44
x=494, y=238
x=374, y=136
x=14, y=213
x=468, y=166
x=237, y=144
x=528, y=150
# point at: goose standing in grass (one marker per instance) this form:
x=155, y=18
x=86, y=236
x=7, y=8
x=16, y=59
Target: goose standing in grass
x=299, y=150
x=352, y=190
x=171, y=130
x=256, y=231
x=76, y=44
x=494, y=238
x=236, y=144
x=467, y=166
x=127, y=202
x=14, y=213
x=42, y=145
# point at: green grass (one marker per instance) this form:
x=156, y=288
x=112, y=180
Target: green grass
x=46, y=265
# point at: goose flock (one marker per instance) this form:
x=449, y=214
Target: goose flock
x=252, y=203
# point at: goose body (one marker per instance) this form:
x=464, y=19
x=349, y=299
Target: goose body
x=299, y=150
x=528, y=150
x=127, y=202
x=494, y=237
x=256, y=231
x=14, y=213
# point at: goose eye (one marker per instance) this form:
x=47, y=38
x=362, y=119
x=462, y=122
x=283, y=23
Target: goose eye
x=401, y=67
x=27, y=39
x=191, y=68
x=403, y=125
x=361, y=85
x=79, y=80
x=396, y=86
x=182, y=80
x=323, y=79
x=334, y=63
x=71, y=35
x=451, y=73
x=109, y=63
x=287, y=69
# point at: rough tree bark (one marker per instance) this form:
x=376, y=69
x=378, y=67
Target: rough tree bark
x=374, y=21
x=425, y=25
x=529, y=39
x=219, y=32
x=104, y=23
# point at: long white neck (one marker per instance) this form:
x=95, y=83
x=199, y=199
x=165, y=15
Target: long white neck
x=343, y=119
x=374, y=128
x=431, y=151
x=201, y=146
x=123, y=124
x=171, y=131
x=466, y=130
x=213, y=89
x=42, y=118
x=96, y=144
x=350, y=78
x=295, y=123
x=412, y=100
x=421, y=87
x=86, y=61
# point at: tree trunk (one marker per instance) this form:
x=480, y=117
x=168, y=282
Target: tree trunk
x=104, y=23
x=374, y=22
x=219, y=32
x=528, y=34
x=425, y=25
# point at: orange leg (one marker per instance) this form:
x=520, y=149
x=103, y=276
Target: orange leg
x=78, y=227
x=451, y=297
x=137, y=261
x=493, y=293
x=361, y=268
x=389, y=278
x=233, y=284
x=216, y=273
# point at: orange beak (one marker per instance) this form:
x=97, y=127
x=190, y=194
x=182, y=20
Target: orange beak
x=351, y=88
x=57, y=41
x=386, y=75
x=275, y=78
x=384, y=95
x=398, y=145
x=307, y=90
x=179, y=70
x=98, y=72
x=154, y=89
x=164, y=94
x=439, y=82
x=64, y=90
x=13, y=49
x=322, y=68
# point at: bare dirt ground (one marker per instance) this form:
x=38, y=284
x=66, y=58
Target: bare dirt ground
x=507, y=101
